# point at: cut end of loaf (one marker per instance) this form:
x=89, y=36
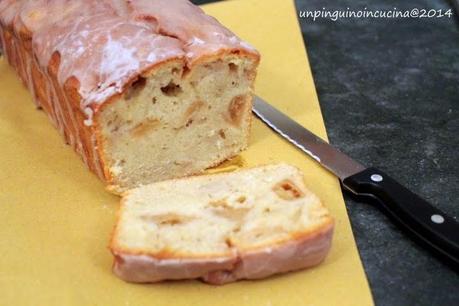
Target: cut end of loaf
x=141, y=90
x=255, y=223
x=177, y=122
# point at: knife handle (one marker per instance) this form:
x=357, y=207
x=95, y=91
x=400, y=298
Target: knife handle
x=428, y=225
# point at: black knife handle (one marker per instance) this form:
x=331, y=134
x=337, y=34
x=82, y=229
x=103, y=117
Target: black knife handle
x=428, y=225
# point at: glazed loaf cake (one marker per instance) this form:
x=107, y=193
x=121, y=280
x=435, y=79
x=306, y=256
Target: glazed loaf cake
x=143, y=90
x=247, y=224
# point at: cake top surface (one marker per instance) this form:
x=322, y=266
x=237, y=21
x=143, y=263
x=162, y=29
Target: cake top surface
x=106, y=43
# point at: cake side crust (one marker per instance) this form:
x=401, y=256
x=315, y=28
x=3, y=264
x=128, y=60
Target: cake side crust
x=94, y=50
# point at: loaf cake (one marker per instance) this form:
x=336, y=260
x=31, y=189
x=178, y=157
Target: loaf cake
x=143, y=90
x=247, y=224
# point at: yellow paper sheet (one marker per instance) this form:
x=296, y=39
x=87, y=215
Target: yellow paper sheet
x=56, y=217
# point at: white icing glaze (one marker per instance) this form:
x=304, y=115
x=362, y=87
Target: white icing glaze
x=102, y=45
x=89, y=113
x=8, y=10
x=143, y=268
x=289, y=256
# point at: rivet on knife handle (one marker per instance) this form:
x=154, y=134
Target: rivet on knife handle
x=427, y=224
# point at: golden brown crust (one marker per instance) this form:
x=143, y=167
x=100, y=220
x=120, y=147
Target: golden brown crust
x=281, y=258
x=61, y=95
x=310, y=233
x=290, y=255
x=297, y=250
x=324, y=226
x=214, y=56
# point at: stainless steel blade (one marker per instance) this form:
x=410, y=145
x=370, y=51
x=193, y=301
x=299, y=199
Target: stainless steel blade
x=334, y=160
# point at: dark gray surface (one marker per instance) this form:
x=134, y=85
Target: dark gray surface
x=389, y=92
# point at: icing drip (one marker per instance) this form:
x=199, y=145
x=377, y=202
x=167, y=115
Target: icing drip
x=97, y=47
x=104, y=44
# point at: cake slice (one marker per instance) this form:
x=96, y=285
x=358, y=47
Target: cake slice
x=246, y=224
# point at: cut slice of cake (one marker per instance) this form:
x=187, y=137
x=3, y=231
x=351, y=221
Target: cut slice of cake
x=246, y=224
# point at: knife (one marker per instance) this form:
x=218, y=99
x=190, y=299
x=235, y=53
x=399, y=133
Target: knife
x=426, y=224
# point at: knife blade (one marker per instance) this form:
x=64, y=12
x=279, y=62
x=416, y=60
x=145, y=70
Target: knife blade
x=335, y=161
x=426, y=224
